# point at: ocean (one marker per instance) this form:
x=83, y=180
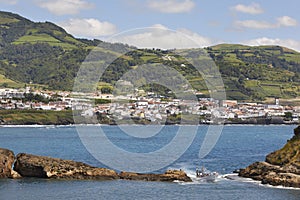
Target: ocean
x=237, y=147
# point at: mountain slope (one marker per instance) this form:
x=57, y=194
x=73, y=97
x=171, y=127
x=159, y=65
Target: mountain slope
x=45, y=54
x=18, y=30
x=263, y=71
x=41, y=53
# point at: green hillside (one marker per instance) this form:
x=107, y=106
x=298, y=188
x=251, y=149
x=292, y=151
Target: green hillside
x=42, y=53
x=258, y=72
x=46, y=55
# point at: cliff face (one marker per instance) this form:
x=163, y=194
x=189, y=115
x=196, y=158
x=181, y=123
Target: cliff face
x=281, y=167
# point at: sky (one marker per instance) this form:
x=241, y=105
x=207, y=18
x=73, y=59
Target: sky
x=170, y=23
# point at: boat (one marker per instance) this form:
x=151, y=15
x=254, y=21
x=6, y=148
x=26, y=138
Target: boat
x=206, y=175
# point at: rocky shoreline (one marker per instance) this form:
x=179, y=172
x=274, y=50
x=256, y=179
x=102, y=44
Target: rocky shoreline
x=27, y=165
x=281, y=168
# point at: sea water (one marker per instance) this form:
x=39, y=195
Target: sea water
x=237, y=147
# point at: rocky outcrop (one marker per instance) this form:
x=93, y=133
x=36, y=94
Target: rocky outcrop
x=28, y=165
x=271, y=174
x=7, y=158
x=281, y=167
x=169, y=175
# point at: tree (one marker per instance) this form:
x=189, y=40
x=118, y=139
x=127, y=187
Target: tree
x=288, y=116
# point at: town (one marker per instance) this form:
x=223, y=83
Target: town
x=149, y=107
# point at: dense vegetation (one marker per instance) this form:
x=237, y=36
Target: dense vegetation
x=289, y=154
x=46, y=55
x=41, y=53
x=29, y=117
x=258, y=72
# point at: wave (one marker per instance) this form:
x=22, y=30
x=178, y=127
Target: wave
x=35, y=126
x=235, y=177
x=279, y=187
x=189, y=169
x=27, y=126
x=229, y=177
x=196, y=180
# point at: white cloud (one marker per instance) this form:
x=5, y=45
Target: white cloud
x=286, y=21
x=64, y=7
x=253, y=8
x=10, y=2
x=283, y=21
x=159, y=36
x=254, y=24
x=171, y=6
x=289, y=43
x=88, y=28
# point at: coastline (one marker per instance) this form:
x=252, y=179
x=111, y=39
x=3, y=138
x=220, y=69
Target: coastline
x=280, y=168
x=236, y=177
x=99, y=124
x=67, y=117
x=74, y=125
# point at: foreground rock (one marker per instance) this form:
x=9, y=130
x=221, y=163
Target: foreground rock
x=7, y=159
x=28, y=165
x=170, y=176
x=281, y=167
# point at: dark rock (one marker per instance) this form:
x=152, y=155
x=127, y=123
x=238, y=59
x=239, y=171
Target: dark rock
x=169, y=176
x=284, y=179
x=297, y=131
x=282, y=167
x=7, y=159
x=28, y=165
x=271, y=174
x=257, y=170
x=172, y=175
